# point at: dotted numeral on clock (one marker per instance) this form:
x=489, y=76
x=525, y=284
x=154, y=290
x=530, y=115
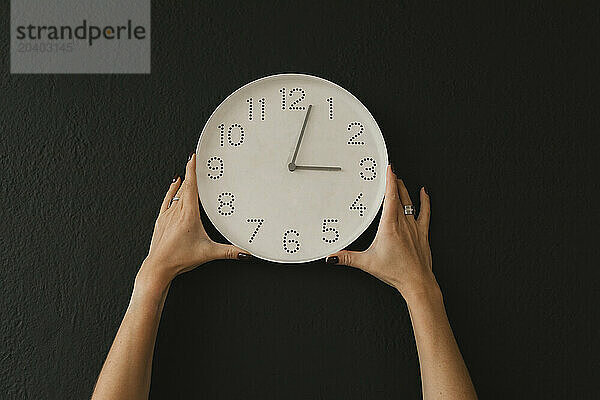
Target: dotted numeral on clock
x=295, y=105
x=369, y=173
x=360, y=207
x=262, y=108
x=250, y=115
x=215, y=164
x=258, y=222
x=230, y=131
x=250, y=102
x=291, y=244
x=282, y=91
x=330, y=101
x=225, y=206
x=360, y=129
x=334, y=235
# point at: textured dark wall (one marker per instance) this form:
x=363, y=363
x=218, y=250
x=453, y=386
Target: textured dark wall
x=491, y=107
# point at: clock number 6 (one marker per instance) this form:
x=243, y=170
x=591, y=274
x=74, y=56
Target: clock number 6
x=334, y=235
x=233, y=127
x=291, y=244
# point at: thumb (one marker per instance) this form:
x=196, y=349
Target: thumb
x=346, y=257
x=227, y=251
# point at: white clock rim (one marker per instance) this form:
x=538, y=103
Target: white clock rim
x=366, y=222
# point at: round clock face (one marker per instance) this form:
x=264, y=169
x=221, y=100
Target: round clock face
x=291, y=168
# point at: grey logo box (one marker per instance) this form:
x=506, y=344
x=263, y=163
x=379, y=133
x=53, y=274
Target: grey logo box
x=80, y=36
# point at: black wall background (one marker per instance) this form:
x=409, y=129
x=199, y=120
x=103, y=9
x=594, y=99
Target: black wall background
x=492, y=107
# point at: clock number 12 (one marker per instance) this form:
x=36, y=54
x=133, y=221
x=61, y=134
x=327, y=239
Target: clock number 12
x=295, y=105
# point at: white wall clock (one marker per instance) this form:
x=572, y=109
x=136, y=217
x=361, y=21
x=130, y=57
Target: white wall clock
x=291, y=168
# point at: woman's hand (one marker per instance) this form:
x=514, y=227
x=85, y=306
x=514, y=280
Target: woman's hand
x=179, y=242
x=400, y=254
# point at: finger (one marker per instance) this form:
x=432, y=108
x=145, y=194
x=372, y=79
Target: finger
x=404, y=198
x=227, y=251
x=170, y=193
x=189, y=192
x=346, y=257
x=391, y=202
x=425, y=212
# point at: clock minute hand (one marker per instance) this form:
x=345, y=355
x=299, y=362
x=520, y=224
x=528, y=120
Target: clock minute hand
x=292, y=164
x=318, y=168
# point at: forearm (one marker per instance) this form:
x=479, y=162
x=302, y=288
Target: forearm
x=443, y=371
x=127, y=370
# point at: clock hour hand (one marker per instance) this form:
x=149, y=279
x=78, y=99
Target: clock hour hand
x=318, y=168
x=292, y=165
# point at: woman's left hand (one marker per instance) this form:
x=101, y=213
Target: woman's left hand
x=179, y=242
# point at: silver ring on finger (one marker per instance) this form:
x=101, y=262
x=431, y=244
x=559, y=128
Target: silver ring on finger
x=172, y=200
x=409, y=210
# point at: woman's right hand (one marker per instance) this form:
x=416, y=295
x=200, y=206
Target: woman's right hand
x=400, y=254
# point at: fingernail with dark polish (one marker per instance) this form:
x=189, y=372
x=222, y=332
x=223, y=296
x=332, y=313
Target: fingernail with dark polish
x=332, y=260
x=175, y=177
x=190, y=156
x=244, y=256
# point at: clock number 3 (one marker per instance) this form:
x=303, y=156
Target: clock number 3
x=225, y=206
x=330, y=234
x=291, y=244
x=369, y=173
x=230, y=132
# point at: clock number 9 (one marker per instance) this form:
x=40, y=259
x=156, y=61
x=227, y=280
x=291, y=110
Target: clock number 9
x=219, y=167
x=334, y=235
x=291, y=244
x=226, y=207
x=369, y=173
x=239, y=127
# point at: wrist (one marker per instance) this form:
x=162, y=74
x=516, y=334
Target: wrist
x=427, y=291
x=152, y=279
